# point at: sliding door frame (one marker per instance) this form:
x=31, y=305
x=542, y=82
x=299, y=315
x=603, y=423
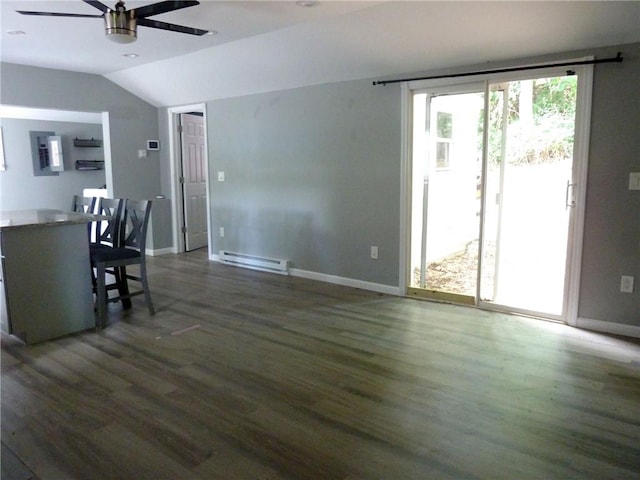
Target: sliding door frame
x=579, y=172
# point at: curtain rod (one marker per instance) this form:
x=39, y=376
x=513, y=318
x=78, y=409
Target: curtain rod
x=617, y=59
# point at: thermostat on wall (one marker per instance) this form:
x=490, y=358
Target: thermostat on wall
x=153, y=145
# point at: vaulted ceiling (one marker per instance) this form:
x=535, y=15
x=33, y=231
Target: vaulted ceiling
x=269, y=45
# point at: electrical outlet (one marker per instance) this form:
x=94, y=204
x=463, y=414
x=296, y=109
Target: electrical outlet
x=626, y=284
x=222, y=231
x=374, y=252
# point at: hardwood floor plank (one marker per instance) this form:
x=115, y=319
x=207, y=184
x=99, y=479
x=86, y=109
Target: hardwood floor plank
x=34, y=456
x=230, y=462
x=123, y=368
x=157, y=422
x=131, y=457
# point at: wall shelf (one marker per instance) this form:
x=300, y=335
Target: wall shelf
x=85, y=142
x=89, y=164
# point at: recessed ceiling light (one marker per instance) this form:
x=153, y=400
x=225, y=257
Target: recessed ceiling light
x=130, y=55
x=306, y=3
x=16, y=32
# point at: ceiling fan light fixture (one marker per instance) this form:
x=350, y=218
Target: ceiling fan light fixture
x=121, y=37
x=120, y=26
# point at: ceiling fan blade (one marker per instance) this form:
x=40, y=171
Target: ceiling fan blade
x=99, y=5
x=146, y=22
x=163, y=7
x=56, y=14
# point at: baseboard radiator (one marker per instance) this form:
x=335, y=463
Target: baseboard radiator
x=254, y=262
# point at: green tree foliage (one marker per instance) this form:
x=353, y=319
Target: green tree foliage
x=555, y=96
x=554, y=103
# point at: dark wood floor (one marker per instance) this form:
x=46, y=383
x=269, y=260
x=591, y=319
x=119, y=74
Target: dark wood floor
x=247, y=375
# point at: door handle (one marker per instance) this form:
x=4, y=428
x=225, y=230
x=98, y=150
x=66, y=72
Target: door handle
x=569, y=202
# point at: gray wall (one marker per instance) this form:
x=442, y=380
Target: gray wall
x=132, y=120
x=20, y=189
x=311, y=175
x=612, y=227
x=165, y=154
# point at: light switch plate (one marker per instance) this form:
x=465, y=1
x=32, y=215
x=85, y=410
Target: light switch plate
x=634, y=181
x=221, y=176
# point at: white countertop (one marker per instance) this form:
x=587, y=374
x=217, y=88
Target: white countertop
x=43, y=218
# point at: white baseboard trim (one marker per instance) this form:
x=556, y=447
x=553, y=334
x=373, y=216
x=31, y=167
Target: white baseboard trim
x=608, y=327
x=159, y=251
x=323, y=277
x=346, y=282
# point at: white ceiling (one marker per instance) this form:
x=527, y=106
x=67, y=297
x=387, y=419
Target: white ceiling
x=265, y=45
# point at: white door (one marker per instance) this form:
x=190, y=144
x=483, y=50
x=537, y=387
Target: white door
x=194, y=183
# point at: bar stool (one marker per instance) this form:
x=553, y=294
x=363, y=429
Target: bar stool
x=81, y=204
x=128, y=250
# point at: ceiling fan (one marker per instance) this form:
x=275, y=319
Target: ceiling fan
x=120, y=24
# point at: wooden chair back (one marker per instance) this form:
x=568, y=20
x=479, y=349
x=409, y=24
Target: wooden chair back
x=136, y=218
x=82, y=204
x=109, y=231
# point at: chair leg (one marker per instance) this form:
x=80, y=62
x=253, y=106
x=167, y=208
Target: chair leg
x=101, y=296
x=123, y=286
x=145, y=288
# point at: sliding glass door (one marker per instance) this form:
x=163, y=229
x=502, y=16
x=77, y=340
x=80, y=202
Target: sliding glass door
x=493, y=193
x=445, y=217
x=529, y=194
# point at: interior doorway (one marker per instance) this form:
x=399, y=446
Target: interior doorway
x=193, y=180
x=493, y=193
x=190, y=177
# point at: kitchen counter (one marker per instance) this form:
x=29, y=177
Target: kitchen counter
x=46, y=274
x=42, y=218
